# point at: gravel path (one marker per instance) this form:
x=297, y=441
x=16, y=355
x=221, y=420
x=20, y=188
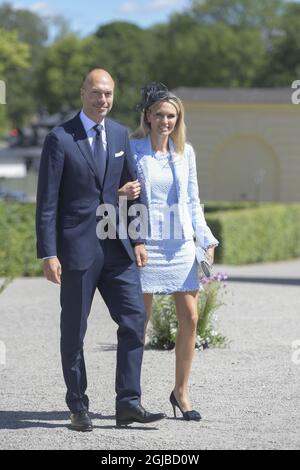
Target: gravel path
x=248, y=393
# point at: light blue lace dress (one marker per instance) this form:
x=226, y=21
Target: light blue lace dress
x=171, y=264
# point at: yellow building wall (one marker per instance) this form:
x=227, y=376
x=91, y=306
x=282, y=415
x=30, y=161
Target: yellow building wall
x=246, y=151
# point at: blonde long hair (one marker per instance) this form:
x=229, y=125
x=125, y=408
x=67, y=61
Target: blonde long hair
x=179, y=133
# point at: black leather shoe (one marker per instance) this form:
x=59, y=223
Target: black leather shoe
x=136, y=414
x=81, y=422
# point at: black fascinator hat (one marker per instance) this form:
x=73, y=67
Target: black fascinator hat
x=152, y=93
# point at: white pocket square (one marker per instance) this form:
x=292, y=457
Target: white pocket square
x=119, y=154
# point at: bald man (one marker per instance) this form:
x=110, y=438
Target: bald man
x=84, y=163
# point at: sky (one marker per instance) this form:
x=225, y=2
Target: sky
x=85, y=17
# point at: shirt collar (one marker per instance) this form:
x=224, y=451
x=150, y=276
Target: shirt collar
x=88, y=123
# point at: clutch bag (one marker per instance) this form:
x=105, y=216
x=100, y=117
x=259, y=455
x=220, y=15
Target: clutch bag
x=205, y=267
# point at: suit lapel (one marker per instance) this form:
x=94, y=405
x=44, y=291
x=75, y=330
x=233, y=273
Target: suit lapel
x=82, y=141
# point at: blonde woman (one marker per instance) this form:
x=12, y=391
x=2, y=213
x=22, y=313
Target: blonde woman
x=167, y=172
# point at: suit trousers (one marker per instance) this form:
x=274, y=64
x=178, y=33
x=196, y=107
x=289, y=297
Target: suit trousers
x=117, y=278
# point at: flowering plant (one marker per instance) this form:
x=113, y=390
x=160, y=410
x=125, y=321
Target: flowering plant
x=163, y=327
x=210, y=300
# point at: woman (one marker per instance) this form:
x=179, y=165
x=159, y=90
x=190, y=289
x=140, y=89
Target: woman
x=167, y=172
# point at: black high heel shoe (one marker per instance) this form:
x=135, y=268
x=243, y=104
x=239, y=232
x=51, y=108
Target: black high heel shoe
x=192, y=415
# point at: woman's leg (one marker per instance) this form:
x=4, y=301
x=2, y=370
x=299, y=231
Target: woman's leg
x=187, y=315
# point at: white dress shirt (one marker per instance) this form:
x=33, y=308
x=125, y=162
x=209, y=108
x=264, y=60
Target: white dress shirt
x=88, y=125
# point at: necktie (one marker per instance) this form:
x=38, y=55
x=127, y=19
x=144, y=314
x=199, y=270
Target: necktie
x=99, y=154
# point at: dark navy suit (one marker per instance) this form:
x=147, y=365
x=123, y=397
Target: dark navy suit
x=69, y=192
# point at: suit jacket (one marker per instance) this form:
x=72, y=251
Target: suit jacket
x=190, y=213
x=69, y=192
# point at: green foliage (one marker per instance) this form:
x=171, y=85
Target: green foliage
x=25, y=29
x=62, y=70
x=211, y=299
x=239, y=14
x=276, y=22
x=13, y=53
x=17, y=241
x=3, y=121
x=121, y=48
x=29, y=31
x=29, y=26
x=270, y=232
x=163, y=326
x=210, y=55
x=282, y=66
x=129, y=49
x=14, y=62
x=216, y=206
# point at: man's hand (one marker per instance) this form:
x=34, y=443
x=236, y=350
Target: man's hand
x=140, y=255
x=131, y=190
x=52, y=269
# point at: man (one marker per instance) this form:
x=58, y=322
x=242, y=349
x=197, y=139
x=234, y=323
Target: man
x=84, y=163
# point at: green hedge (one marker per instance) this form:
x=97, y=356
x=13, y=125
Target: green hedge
x=17, y=240
x=270, y=232
x=216, y=206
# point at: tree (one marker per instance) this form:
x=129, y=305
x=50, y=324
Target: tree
x=129, y=52
x=14, y=56
x=28, y=28
x=121, y=48
x=283, y=64
x=62, y=69
x=230, y=43
x=209, y=55
x=31, y=29
x=13, y=53
x=239, y=14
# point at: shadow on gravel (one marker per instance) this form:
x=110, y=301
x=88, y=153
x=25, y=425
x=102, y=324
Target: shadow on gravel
x=32, y=419
x=265, y=280
x=42, y=419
